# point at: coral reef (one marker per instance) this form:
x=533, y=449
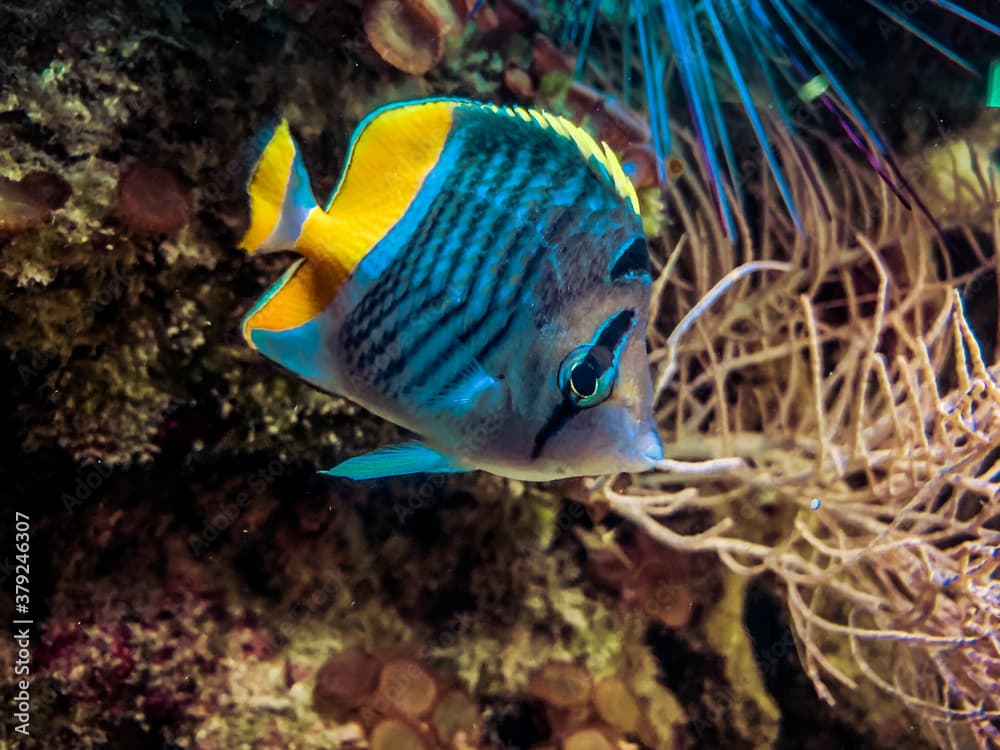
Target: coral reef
x=312, y=616
x=195, y=585
x=867, y=482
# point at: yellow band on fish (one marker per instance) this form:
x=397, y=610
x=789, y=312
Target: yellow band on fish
x=387, y=163
x=389, y=160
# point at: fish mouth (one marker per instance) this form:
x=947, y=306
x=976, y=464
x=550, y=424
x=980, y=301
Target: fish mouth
x=649, y=449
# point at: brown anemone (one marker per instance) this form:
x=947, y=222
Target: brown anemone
x=30, y=201
x=454, y=715
x=588, y=739
x=560, y=684
x=393, y=734
x=347, y=677
x=153, y=199
x=616, y=704
x=409, y=34
x=406, y=688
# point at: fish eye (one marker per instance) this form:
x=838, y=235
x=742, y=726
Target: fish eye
x=586, y=375
x=583, y=378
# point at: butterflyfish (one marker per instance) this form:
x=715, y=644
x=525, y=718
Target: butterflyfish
x=479, y=277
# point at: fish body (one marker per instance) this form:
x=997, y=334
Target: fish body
x=479, y=277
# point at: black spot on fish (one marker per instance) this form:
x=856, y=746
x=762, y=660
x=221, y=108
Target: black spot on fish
x=631, y=261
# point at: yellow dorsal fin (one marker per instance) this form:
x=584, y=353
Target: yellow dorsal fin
x=390, y=156
x=584, y=143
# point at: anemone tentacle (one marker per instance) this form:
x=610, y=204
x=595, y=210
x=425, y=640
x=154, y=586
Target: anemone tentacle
x=768, y=53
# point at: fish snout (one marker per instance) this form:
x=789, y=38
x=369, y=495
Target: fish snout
x=651, y=446
x=645, y=448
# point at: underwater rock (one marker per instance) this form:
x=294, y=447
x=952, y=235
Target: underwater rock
x=30, y=201
x=153, y=199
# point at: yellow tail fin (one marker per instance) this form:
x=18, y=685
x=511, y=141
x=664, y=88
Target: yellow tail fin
x=280, y=195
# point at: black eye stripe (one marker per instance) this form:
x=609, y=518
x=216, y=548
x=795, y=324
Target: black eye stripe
x=599, y=359
x=616, y=329
x=560, y=416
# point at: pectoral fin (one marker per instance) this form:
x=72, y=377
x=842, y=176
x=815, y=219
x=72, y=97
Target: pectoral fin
x=394, y=461
x=461, y=397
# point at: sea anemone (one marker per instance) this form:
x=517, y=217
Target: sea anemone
x=409, y=34
x=347, y=678
x=765, y=54
x=153, y=199
x=393, y=734
x=30, y=201
x=561, y=684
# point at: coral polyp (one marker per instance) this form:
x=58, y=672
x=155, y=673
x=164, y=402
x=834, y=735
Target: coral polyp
x=30, y=201
x=153, y=199
x=410, y=34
